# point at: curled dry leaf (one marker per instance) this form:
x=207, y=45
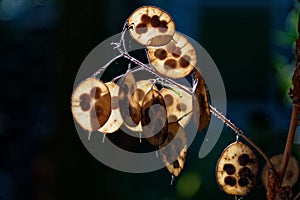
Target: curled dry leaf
x=201, y=102
x=237, y=169
x=91, y=104
x=173, y=151
x=175, y=59
x=291, y=174
x=179, y=105
x=154, y=118
x=151, y=26
x=115, y=120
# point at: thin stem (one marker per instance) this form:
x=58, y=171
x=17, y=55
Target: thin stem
x=241, y=134
x=289, y=142
x=297, y=196
x=212, y=109
x=106, y=65
x=120, y=76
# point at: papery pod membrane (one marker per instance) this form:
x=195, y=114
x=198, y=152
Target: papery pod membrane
x=174, y=150
x=129, y=109
x=154, y=118
x=291, y=174
x=201, y=102
x=175, y=59
x=151, y=26
x=179, y=105
x=91, y=104
x=115, y=120
x=237, y=169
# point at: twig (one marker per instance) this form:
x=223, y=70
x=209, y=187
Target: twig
x=212, y=109
x=241, y=134
x=289, y=142
x=295, y=96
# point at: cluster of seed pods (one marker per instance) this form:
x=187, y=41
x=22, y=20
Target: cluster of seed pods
x=160, y=112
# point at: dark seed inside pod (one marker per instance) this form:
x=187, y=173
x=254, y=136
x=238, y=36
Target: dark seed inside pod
x=184, y=61
x=170, y=64
x=160, y=54
x=155, y=22
x=229, y=169
x=141, y=28
x=243, y=182
x=244, y=159
x=229, y=180
x=145, y=18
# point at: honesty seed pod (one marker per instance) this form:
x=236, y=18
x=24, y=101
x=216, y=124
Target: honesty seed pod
x=179, y=103
x=237, y=169
x=154, y=118
x=115, y=120
x=175, y=59
x=91, y=104
x=291, y=174
x=131, y=102
x=173, y=151
x=151, y=26
x=129, y=109
x=201, y=102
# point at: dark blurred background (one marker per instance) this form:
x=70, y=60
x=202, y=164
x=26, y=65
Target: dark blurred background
x=42, y=45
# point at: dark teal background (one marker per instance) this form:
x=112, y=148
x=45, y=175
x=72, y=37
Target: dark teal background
x=43, y=44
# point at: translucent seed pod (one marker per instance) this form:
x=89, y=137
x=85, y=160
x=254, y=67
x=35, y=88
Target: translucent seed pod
x=237, y=169
x=179, y=105
x=151, y=26
x=115, y=120
x=154, y=118
x=91, y=104
x=173, y=151
x=291, y=174
x=201, y=102
x=131, y=96
x=175, y=59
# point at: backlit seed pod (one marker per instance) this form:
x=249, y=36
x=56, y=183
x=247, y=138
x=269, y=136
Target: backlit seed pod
x=201, y=102
x=129, y=109
x=154, y=118
x=91, y=104
x=179, y=105
x=133, y=101
x=173, y=151
x=291, y=173
x=115, y=120
x=151, y=26
x=237, y=169
x=175, y=59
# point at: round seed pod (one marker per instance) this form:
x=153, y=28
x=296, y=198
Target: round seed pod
x=154, y=118
x=132, y=113
x=291, y=174
x=201, y=102
x=130, y=110
x=115, y=120
x=237, y=169
x=151, y=26
x=179, y=104
x=173, y=151
x=175, y=59
x=91, y=104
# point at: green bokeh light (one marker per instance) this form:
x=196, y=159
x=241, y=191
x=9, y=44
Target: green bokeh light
x=188, y=184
